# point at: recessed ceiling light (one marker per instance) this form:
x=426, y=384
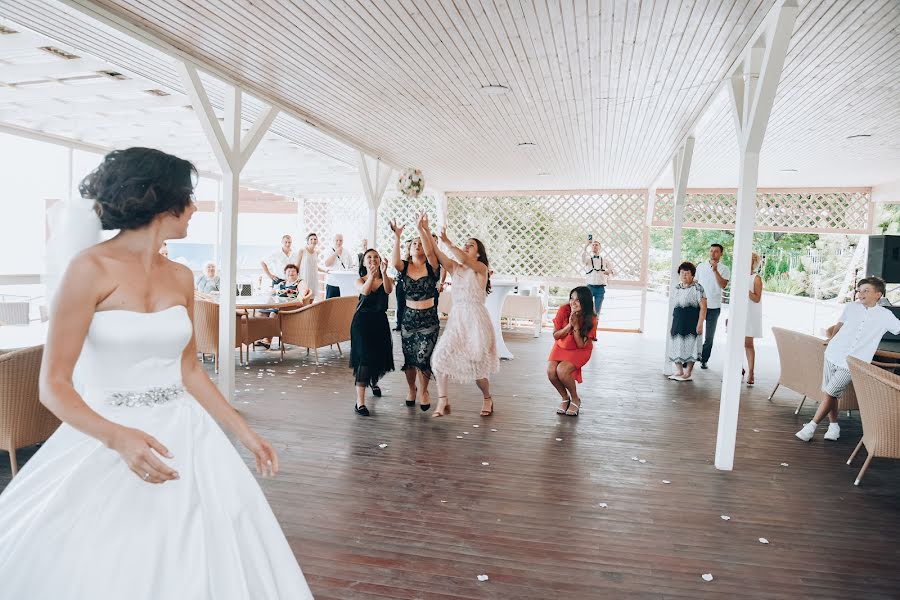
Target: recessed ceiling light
x=859, y=136
x=788, y=170
x=494, y=90
x=543, y=174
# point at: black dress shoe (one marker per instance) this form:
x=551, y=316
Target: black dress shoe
x=425, y=407
x=361, y=410
x=703, y=366
x=376, y=391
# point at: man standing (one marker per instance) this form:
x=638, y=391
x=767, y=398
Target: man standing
x=713, y=276
x=278, y=260
x=339, y=260
x=309, y=265
x=598, y=270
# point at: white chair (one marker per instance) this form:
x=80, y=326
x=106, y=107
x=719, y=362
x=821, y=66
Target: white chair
x=14, y=313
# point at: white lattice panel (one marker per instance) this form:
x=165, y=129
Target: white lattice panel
x=404, y=210
x=794, y=211
x=544, y=235
x=326, y=217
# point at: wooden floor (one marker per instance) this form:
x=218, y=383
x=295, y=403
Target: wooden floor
x=563, y=510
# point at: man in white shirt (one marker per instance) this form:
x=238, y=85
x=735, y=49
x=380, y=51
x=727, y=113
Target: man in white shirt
x=597, y=270
x=273, y=266
x=857, y=333
x=340, y=259
x=713, y=276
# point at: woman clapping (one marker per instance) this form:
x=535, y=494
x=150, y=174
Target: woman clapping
x=371, y=348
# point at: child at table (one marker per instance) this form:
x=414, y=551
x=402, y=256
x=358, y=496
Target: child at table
x=857, y=333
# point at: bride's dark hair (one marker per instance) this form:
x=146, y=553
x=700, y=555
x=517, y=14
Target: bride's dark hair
x=131, y=187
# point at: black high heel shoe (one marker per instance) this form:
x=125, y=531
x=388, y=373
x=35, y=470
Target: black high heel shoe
x=361, y=410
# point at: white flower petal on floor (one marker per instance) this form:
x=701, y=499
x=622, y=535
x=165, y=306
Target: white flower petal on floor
x=642, y=461
x=459, y=437
x=634, y=458
x=465, y=433
x=484, y=464
x=785, y=465
x=666, y=481
x=726, y=518
x=707, y=577
x=763, y=541
x=558, y=439
x=604, y=505
x=493, y=430
x=476, y=425
x=482, y=578
x=382, y=446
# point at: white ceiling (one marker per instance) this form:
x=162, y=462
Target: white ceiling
x=73, y=96
x=607, y=89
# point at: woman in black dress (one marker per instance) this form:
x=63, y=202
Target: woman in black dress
x=420, y=326
x=371, y=348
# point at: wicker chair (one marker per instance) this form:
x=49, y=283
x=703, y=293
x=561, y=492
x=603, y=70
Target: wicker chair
x=14, y=313
x=319, y=324
x=206, y=330
x=802, y=357
x=879, y=408
x=259, y=326
x=24, y=421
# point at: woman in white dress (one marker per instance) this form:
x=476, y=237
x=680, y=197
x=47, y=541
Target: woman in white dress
x=467, y=349
x=139, y=494
x=754, y=316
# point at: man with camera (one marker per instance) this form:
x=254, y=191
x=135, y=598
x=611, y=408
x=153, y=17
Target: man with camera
x=598, y=270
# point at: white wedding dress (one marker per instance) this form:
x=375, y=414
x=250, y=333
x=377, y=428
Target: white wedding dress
x=76, y=523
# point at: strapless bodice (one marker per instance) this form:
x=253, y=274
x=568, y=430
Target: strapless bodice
x=133, y=351
x=466, y=288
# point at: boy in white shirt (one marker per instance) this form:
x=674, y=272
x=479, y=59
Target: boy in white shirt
x=857, y=333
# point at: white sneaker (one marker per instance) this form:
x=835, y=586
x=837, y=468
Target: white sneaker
x=833, y=433
x=807, y=432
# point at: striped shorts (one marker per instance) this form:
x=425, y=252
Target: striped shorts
x=835, y=379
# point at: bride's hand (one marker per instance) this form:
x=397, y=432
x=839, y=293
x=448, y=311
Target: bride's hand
x=139, y=450
x=266, y=459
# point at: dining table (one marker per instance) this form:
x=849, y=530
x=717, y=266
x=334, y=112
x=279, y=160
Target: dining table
x=494, y=303
x=345, y=279
x=259, y=301
x=16, y=337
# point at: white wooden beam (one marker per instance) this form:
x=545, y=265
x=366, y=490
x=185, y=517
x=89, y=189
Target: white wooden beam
x=374, y=184
x=752, y=85
x=232, y=153
x=645, y=252
x=10, y=74
x=681, y=170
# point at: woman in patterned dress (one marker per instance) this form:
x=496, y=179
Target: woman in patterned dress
x=467, y=350
x=420, y=326
x=686, y=336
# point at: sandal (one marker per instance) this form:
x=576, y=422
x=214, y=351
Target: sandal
x=573, y=409
x=563, y=407
x=441, y=412
x=487, y=413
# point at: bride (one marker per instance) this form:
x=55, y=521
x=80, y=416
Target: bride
x=139, y=494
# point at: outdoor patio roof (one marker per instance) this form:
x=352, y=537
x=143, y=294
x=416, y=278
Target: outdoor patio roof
x=605, y=90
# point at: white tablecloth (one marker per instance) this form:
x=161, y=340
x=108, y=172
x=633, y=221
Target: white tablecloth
x=15, y=337
x=494, y=303
x=346, y=280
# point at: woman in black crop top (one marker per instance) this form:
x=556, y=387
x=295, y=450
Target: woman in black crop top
x=371, y=348
x=419, y=328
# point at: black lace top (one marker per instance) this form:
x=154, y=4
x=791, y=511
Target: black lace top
x=423, y=288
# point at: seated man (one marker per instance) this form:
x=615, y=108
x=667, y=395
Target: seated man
x=857, y=333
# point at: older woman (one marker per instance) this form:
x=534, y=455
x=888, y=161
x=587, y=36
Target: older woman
x=686, y=336
x=209, y=281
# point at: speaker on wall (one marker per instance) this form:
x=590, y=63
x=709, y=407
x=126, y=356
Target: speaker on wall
x=884, y=257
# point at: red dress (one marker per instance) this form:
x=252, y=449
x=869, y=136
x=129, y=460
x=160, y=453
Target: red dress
x=565, y=349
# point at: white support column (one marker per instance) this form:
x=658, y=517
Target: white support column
x=681, y=167
x=232, y=151
x=645, y=252
x=374, y=183
x=440, y=200
x=753, y=84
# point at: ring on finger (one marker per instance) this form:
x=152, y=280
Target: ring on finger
x=146, y=476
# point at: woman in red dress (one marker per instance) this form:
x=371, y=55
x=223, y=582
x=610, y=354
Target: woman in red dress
x=574, y=329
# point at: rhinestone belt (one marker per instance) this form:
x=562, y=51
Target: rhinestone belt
x=149, y=397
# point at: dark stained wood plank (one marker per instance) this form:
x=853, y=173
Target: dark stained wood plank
x=367, y=522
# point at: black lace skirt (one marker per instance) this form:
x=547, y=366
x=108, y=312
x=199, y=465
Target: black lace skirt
x=419, y=333
x=371, y=347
